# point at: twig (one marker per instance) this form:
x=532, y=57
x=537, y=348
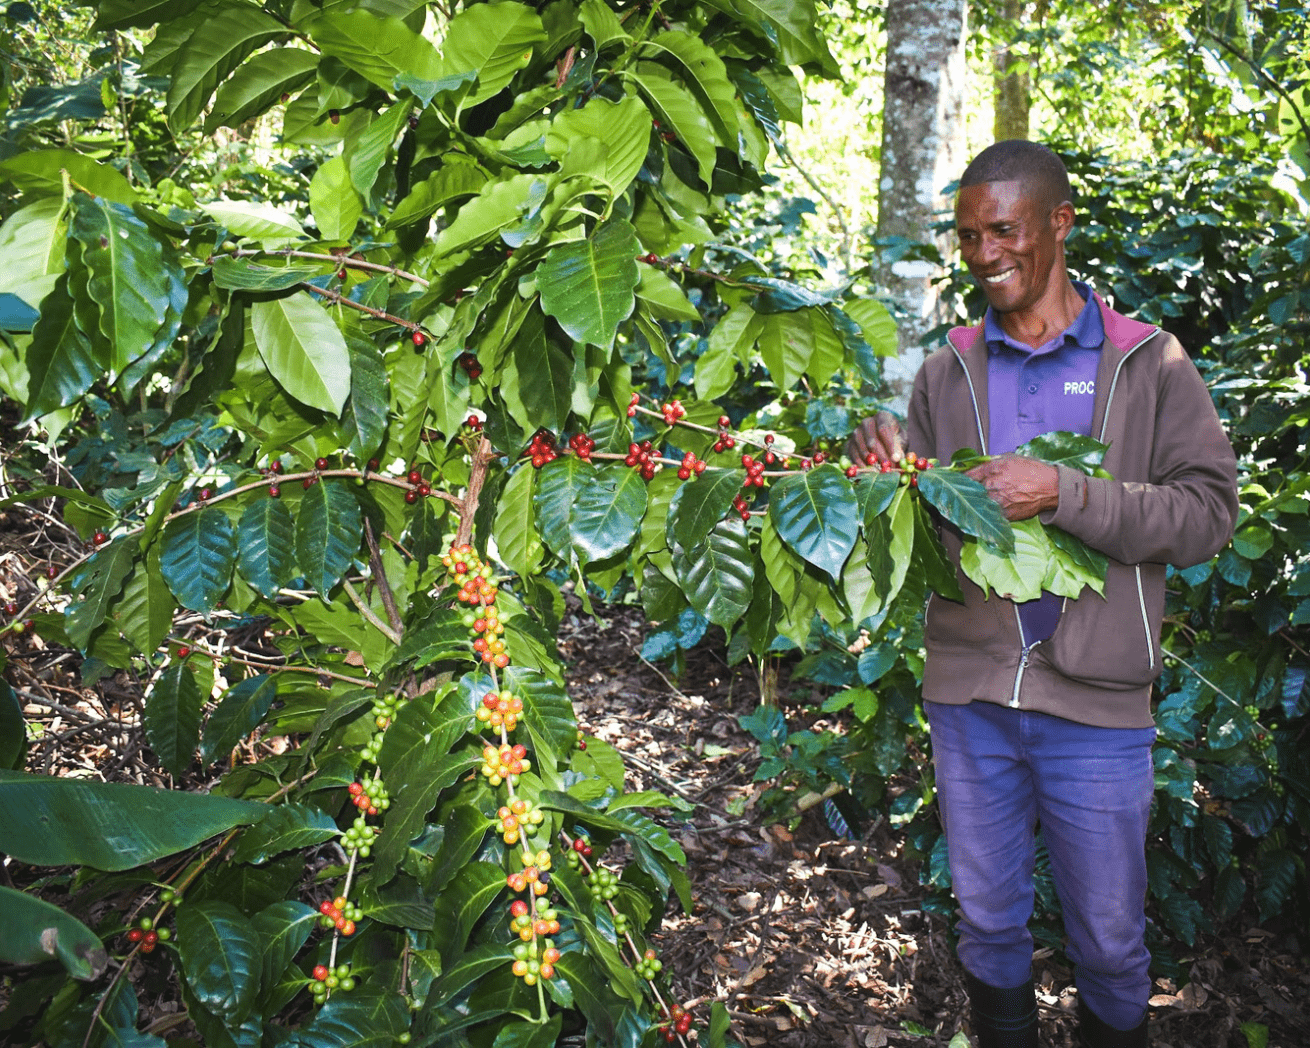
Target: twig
x=368, y=612
x=380, y=577
x=848, y=245
x=671, y=686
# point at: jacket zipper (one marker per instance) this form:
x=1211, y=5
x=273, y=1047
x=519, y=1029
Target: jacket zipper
x=1024, y=656
x=1137, y=568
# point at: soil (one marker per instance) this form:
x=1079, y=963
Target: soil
x=808, y=938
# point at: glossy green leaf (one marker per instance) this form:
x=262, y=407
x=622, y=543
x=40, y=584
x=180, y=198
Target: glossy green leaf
x=240, y=711
x=891, y=546
x=515, y=529
x=613, y=136
x=717, y=573
x=930, y=558
x=587, y=285
x=461, y=972
x=333, y=201
x=364, y=422
x=462, y=903
x=259, y=84
x=266, y=551
x=108, y=826
x=559, y=485
x=13, y=729
x=172, y=717
x=217, y=46
x=730, y=342
x=496, y=40
x=255, y=220
x=453, y=181
x=790, y=25
x=329, y=530
x=547, y=713
x=1062, y=448
x=303, y=349
x=676, y=108
x=33, y=931
x=817, y=515
x=198, y=554
x=537, y=382
x=1018, y=575
x=706, y=75
x=786, y=345
x=61, y=365
x=370, y=150
x=875, y=492
x=239, y=275
x=663, y=298
x=876, y=325
x=378, y=48
x=605, y=516
x=32, y=245
x=144, y=613
x=222, y=957
x=964, y=502
x=285, y=827
x=1078, y=559
x=465, y=828
x=283, y=928
x=98, y=582
x=701, y=503
x=40, y=172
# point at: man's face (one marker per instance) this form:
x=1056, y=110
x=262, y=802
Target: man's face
x=1009, y=241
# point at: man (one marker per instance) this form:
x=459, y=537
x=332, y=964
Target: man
x=1040, y=712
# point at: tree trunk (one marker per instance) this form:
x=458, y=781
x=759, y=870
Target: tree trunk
x=922, y=152
x=1011, y=91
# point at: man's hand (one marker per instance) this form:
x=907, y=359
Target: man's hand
x=1023, y=487
x=880, y=435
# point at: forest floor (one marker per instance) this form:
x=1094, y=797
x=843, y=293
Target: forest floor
x=809, y=939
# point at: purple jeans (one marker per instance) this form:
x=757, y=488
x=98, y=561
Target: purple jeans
x=1000, y=772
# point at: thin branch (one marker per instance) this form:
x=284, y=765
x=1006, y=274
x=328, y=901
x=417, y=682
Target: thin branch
x=380, y=577
x=368, y=613
x=848, y=244
x=1259, y=71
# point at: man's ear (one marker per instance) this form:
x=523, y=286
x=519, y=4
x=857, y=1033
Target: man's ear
x=1062, y=220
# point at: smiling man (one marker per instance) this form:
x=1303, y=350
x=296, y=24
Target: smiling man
x=1040, y=712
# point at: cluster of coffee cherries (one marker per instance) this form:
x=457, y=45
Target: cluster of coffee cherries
x=633, y=401
x=741, y=507
x=678, y=1022
x=582, y=446
x=418, y=487
x=909, y=466
x=505, y=763
x=339, y=913
x=754, y=471
x=529, y=967
x=649, y=966
x=579, y=850
x=384, y=709
x=325, y=979
x=11, y=609
x=724, y=441
x=672, y=411
x=519, y=818
x=474, y=423
x=475, y=587
x=542, y=449
x=147, y=936
x=369, y=796
x=690, y=465
x=359, y=838
x=532, y=878
x=641, y=457
x=604, y=883
x=500, y=709
x=470, y=365
x=526, y=926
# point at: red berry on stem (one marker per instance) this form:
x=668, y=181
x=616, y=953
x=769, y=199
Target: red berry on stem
x=205, y=494
x=418, y=338
x=321, y=463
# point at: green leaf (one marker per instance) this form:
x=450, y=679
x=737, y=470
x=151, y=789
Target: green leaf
x=285, y=827
x=459, y=973
x=461, y=904
x=1065, y=449
x=876, y=325
x=964, y=502
x=559, y=485
x=283, y=928
x=259, y=84
x=465, y=828
x=13, y=729
x=625, y=821
x=1018, y=575
x=547, y=713
x=145, y=611
x=587, y=285
x=108, y=826
x=218, y=45
x=786, y=345
x=891, y=546
x=333, y=201
x=40, y=172
x=601, y=24
x=378, y=48
x=370, y=150
x=238, y=275
x=515, y=529
x=1278, y=871
x=239, y=713
x=677, y=109
x=496, y=40
x=33, y=931
x=930, y=558
x=329, y=530
x=699, y=504
x=537, y=384
x=663, y=298
x=817, y=515
x=97, y=582
x=717, y=573
x=1256, y=1034
x=172, y=718
x=256, y=220
x=730, y=341
x=266, y=557
x=790, y=25
x=197, y=557
x=620, y=129
x=366, y=414
x=32, y=243
x=454, y=180
x=60, y=363
x=222, y=957
x=707, y=76
x=875, y=492
x=303, y=349
x=606, y=513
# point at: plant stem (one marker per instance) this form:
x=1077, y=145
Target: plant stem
x=368, y=612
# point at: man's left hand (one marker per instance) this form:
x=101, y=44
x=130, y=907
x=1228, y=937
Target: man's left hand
x=1023, y=487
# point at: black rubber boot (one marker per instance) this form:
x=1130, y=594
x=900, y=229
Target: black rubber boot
x=1003, y=1018
x=1095, y=1032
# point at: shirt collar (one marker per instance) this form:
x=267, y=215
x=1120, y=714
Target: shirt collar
x=1087, y=330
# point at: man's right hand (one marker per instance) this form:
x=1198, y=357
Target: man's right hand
x=881, y=436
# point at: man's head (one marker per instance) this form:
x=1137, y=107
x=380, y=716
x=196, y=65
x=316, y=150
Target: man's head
x=1012, y=215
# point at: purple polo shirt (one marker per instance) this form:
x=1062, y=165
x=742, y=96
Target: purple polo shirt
x=1035, y=391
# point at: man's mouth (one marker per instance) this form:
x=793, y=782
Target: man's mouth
x=1000, y=278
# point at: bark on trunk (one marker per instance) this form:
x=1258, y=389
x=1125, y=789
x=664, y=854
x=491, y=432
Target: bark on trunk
x=1011, y=91
x=922, y=152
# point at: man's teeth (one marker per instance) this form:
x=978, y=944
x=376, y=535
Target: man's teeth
x=999, y=277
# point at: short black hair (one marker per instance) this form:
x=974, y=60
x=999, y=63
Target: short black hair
x=1017, y=160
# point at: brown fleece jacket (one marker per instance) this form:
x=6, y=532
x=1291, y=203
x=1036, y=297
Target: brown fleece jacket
x=1173, y=500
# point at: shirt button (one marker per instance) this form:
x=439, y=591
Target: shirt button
x=1032, y=389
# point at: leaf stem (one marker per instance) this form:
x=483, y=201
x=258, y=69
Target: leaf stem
x=368, y=612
